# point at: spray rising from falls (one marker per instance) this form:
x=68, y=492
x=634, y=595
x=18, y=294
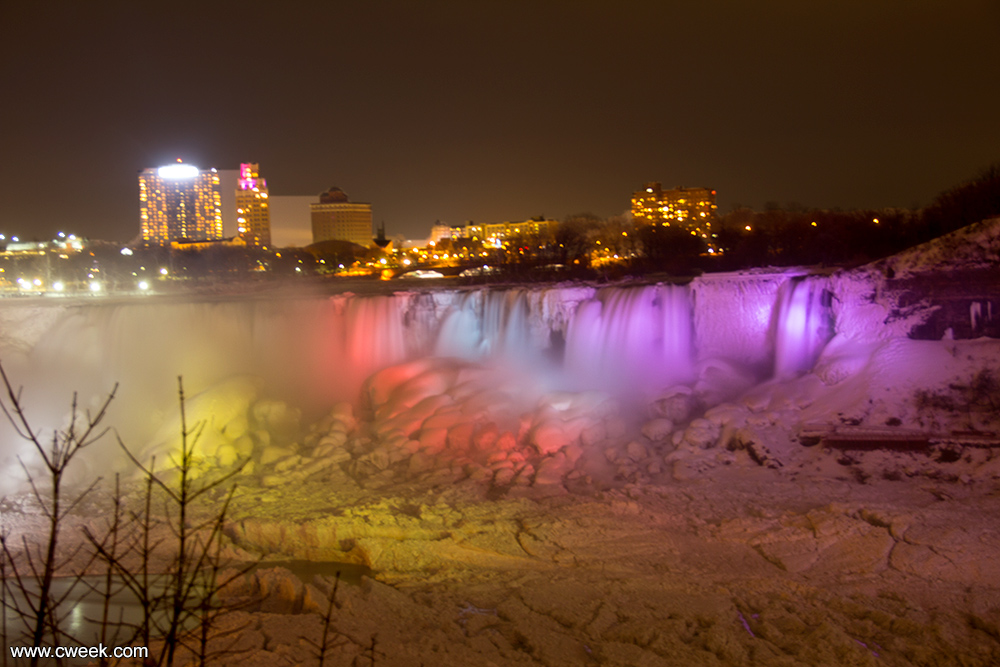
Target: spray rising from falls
x=315, y=351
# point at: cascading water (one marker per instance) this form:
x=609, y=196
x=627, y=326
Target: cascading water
x=488, y=323
x=803, y=326
x=632, y=339
x=313, y=351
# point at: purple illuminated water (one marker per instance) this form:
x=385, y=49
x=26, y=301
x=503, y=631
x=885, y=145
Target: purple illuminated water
x=802, y=327
x=317, y=350
x=627, y=339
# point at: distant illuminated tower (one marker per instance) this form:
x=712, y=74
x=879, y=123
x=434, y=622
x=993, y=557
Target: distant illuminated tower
x=253, y=219
x=180, y=201
x=336, y=218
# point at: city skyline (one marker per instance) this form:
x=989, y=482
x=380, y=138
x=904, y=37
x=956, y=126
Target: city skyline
x=465, y=111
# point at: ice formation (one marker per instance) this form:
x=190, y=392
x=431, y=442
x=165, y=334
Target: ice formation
x=313, y=352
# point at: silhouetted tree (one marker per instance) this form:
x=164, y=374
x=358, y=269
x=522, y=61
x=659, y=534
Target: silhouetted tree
x=670, y=248
x=572, y=238
x=973, y=201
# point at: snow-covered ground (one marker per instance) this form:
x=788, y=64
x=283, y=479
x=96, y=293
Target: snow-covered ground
x=749, y=470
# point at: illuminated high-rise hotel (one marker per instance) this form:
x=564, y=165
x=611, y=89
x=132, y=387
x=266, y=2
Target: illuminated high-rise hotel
x=253, y=217
x=180, y=201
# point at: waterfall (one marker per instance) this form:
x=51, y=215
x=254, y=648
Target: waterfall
x=317, y=350
x=803, y=326
x=632, y=339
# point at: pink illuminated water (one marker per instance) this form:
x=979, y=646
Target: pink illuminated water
x=316, y=350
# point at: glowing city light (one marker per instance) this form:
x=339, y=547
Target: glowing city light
x=163, y=272
x=177, y=171
x=143, y=285
x=95, y=286
x=127, y=252
x=58, y=286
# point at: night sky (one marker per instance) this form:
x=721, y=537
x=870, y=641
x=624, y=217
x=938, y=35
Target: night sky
x=492, y=111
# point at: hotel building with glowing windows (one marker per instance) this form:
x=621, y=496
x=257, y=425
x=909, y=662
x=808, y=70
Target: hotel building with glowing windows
x=337, y=218
x=253, y=217
x=691, y=209
x=179, y=201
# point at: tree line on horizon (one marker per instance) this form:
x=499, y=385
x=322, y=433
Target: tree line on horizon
x=782, y=235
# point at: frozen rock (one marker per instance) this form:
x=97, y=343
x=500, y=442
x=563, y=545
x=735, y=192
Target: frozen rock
x=336, y=454
x=226, y=455
x=551, y=469
x=445, y=419
x=485, y=439
x=767, y=445
x=343, y=413
x=702, y=433
x=378, y=458
x=420, y=463
x=287, y=463
x=273, y=453
x=434, y=440
x=677, y=404
x=548, y=438
x=506, y=442
x=262, y=438
x=497, y=457
x=237, y=426
x=525, y=475
x=243, y=446
x=276, y=416
x=720, y=380
x=220, y=412
x=504, y=476
x=657, y=429
x=386, y=384
x=636, y=451
x=460, y=436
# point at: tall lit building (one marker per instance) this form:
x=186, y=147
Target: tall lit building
x=336, y=218
x=691, y=209
x=179, y=201
x=253, y=217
